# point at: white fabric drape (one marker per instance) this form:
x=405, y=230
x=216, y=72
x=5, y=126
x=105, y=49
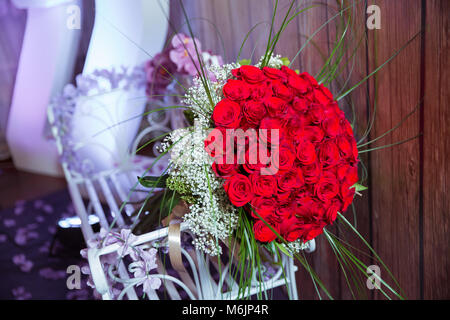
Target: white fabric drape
x=12, y=26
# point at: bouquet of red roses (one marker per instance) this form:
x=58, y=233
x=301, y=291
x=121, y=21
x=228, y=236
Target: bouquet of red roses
x=316, y=155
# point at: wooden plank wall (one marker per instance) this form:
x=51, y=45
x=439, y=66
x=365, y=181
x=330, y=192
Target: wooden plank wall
x=405, y=213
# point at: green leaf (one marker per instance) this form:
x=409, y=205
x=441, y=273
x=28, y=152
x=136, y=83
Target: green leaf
x=283, y=249
x=245, y=62
x=189, y=115
x=153, y=182
x=358, y=187
x=286, y=61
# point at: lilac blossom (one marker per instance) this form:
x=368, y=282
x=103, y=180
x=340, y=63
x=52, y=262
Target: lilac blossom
x=159, y=72
x=21, y=294
x=142, y=268
x=184, y=53
x=21, y=261
x=24, y=234
x=18, y=210
x=128, y=239
x=49, y=273
x=179, y=60
x=9, y=223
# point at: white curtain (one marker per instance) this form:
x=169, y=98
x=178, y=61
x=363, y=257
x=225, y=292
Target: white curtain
x=12, y=26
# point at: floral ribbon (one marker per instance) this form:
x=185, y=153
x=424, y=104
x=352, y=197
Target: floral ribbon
x=174, y=237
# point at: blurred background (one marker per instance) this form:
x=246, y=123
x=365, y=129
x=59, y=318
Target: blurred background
x=404, y=214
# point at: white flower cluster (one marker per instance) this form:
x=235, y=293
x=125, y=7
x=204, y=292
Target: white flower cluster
x=212, y=217
x=197, y=97
x=296, y=246
x=274, y=62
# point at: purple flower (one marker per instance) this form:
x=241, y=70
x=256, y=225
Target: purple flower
x=21, y=236
x=21, y=261
x=38, y=204
x=45, y=248
x=81, y=294
x=9, y=223
x=142, y=270
x=51, y=229
x=128, y=240
x=47, y=209
x=49, y=273
x=159, y=72
x=18, y=210
x=21, y=294
x=184, y=54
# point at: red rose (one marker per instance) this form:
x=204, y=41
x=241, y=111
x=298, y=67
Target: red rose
x=251, y=166
x=291, y=229
x=290, y=180
x=345, y=147
x=331, y=126
x=332, y=210
x=251, y=74
x=215, y=143
x=303, y=192
x=347, y=128
x=312, y=133
x=307, y=77
x=313, y=231
x=311, y=172
x=282, y=91
x=347, y=173
x=306, y=152
x=239, y=190
x=283, y=197
x=297, y=83
x=347, y=194
x=300, y=104
x=274, y=74
x=317, y=113
x=329, y=154
x=323, y=95
x=227, y=114
x=309, y=209
x=254, y=111
x=224, y=169
x=236, y=90
x=275, y=106
x=327, y=187
x=285, y=213
x=332, y=110
x=263, y=206
x=288, y=71
x=263, y=233
x=355, y=150
x=267, y=124
x=260, y=91
x=263, y=185
x=283, y=158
